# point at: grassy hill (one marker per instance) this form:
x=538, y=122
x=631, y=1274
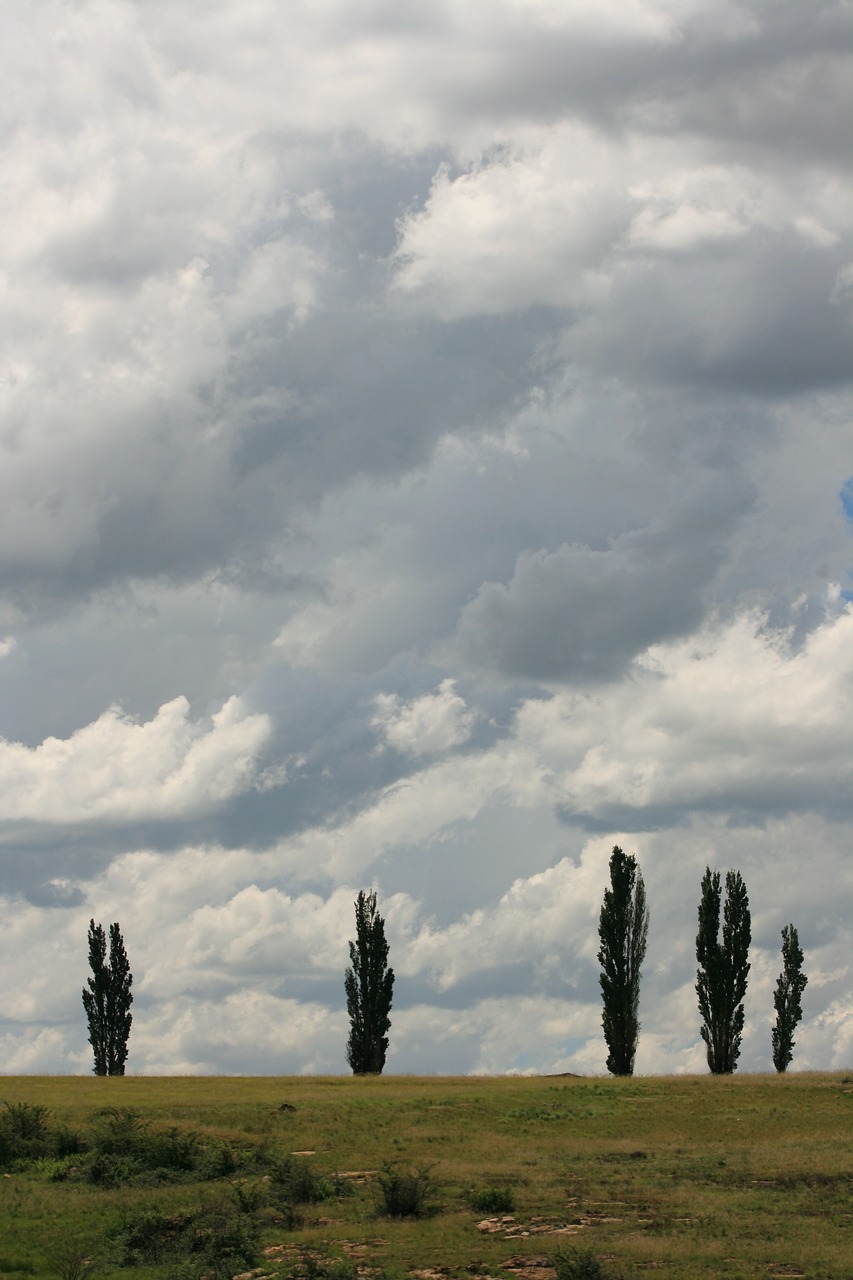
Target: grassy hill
x=513, y=1178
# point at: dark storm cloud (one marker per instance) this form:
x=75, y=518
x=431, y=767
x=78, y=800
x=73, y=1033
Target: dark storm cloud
x=756, y=317
x=583, y=614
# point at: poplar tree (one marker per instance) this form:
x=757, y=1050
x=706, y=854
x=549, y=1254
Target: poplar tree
x=108, y=999
x=623, y=927
x=723, y=968
x=789, y=989
x=369, y=985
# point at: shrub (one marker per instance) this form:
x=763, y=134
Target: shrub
x=144, y=1236
x=402, y=1193
x=296, y=1181
x=67, y=1141
x=221, y=1238
x=492, y=1200
x=126, y=1152
x=215, y=1240
x=579, y=1264
x=23, y=1132
x=54, y=1168
x=25, y=1120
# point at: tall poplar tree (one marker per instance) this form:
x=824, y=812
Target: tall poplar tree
x=369, y=985
x=108, y=999
x=723, y=968
x=789, y=989
x=623, y=927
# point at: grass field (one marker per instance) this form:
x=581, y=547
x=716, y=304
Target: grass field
x=681, y=1177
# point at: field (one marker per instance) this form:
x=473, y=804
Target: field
x=681, y=1177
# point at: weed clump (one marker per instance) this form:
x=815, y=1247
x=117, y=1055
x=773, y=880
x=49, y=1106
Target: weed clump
x=402, y=1193
x=579, y=1264
x=492, y=1200
x=24, y=1133
x=214, y=1239
x=127, y=1152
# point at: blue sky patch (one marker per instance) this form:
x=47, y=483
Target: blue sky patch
x=847, y=498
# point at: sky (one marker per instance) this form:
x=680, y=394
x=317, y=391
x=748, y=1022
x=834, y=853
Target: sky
x=427, y=462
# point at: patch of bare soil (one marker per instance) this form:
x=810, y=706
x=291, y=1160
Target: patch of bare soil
x=357, y=1175
x=530, y=1268
x=359, y=1249
x=507, y=1226
x=784, y=1269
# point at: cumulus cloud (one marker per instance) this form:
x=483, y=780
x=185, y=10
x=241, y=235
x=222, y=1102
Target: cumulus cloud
x=116, y=769
x=425, y=726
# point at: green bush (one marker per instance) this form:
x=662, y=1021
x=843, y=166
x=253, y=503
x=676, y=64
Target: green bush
x=295, y=1181
x=215, y=1240
x=54, y=1168
x=579, y=1264
x=127, y=1152
x=24, y=1133
x=492, y=1200
x=145, y=1236
x=402, y=1193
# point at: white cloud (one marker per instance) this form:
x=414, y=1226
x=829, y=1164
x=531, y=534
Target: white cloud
x=425, y=726
x=116, y=769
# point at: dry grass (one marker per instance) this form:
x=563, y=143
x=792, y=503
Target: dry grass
x=682, y=1177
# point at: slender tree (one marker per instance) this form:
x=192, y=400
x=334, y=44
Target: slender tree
x=789, y=989
x=369, y=985
x=108, y=999
x=623, y=928
x=723, y=968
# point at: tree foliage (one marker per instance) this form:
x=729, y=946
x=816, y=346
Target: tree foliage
x=369, y=985
x=790, y=986
x=723, y=968
x=108, y=999
x=623, y=928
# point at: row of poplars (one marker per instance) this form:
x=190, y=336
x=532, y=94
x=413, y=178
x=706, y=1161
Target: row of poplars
x=721, y=979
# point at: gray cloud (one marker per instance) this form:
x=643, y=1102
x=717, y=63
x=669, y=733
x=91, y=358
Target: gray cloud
x=580, y=613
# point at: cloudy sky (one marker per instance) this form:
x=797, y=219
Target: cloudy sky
x=427, y=461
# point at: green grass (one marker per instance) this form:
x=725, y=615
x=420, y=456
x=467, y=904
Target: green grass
x=682, y=1177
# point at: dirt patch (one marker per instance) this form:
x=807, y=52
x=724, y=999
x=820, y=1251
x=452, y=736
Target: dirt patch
x=358, y=1249
x=509, y=1229
x=532, y=1268
x=357, y=1175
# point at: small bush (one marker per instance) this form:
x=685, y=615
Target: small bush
x=402, y=1193
x=24, y=1132
x=296, y=1182
x=492, y=1200
x=68, y=1141
x=145, y=1236
x=72, y=1263
x=25, y=1120
x=126, y=1152
x=579, y=1264
x=53, y=1168
x=214, y=1159
x=119, y=1131
x=216, y=1239
x=221, y=1238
